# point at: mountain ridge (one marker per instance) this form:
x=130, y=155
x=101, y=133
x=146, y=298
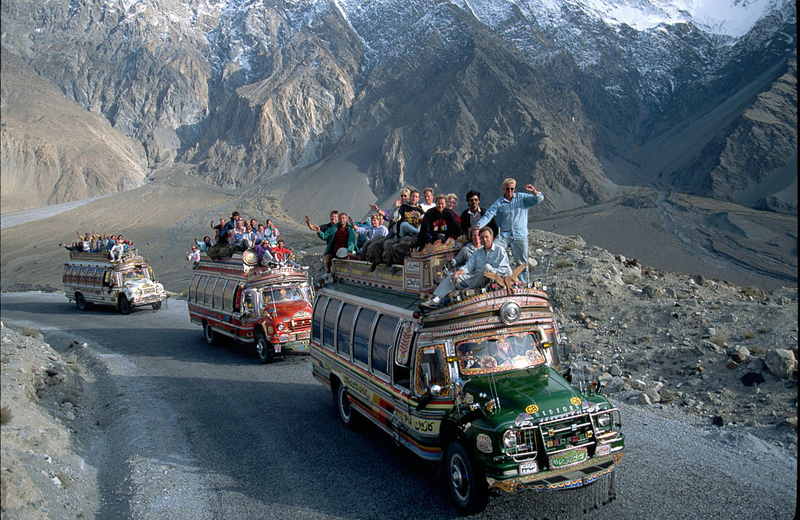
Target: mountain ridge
x=250, y=91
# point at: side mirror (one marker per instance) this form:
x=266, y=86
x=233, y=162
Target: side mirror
x=427, y=397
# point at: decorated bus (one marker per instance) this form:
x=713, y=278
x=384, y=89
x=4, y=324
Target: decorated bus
x=475, y=385
x=267, y=307
x=93, y=278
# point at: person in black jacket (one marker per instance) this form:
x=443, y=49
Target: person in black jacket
x=438, y=223
x=471, y=215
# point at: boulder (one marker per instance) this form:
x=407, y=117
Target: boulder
x=653, y=292
x=780, y=362
x=738, y=353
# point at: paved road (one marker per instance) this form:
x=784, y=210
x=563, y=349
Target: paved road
x=206, y=432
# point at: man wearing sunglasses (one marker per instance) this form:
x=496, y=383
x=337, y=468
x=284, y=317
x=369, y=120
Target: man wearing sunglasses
x=392, y=214
x=511, y=214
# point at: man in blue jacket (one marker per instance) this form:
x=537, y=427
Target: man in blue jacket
x=511, y=214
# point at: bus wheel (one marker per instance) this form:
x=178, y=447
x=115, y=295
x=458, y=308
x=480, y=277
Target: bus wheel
x=467, y=484
x=80, y=301
x=264, y=349
x=124, y=305
x=156, y=305
x=346, y=411
x=209, y=334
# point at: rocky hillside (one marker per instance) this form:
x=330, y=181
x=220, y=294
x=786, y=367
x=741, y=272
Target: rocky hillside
x=48, y=416
x=680, y=341
x=54, y=151
x=454, y=94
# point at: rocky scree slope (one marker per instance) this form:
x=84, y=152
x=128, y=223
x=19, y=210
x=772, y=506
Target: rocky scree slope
x=703, y=346
x=50, y=421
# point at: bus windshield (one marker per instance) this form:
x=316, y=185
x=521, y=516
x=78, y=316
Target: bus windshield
x=136, y=274
x=499, y=354
x=281, y=294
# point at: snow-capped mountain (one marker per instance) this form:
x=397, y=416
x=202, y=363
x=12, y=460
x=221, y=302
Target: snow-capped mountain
x=456, y=93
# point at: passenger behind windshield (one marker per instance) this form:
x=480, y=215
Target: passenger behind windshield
x=499, y=354
x=283, y=294
x=137, y=274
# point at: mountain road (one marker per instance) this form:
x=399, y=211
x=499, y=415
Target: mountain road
x=196, y=431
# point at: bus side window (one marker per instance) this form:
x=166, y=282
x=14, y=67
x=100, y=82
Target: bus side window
x=385, y=332
x=430, y=368
x=361, y=336
x=329, y=324
x=316, y=323
x=345, y=330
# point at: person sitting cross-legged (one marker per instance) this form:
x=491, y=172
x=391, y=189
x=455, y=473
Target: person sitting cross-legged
x=488, y=259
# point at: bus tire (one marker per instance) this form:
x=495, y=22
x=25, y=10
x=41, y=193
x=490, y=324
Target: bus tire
x=124, y=305
x=467, y=483
x=264, y=349
x=347, y=412
x=208, y=334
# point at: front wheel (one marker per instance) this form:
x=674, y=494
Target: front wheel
x=80, y=301
x=156, y=305
x=346, y=411
x=209, y=334
x=466, y=482
x=124, y=305
x=264, y=349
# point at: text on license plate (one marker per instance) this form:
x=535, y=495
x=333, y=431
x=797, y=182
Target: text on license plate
x=568, y=458
x=526, y=468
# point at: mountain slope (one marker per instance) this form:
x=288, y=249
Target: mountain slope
x=53, y=151
x=459, y=94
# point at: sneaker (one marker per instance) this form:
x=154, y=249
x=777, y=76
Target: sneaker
x=434, y=303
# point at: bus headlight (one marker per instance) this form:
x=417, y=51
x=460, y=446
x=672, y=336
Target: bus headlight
x=510, y=439
x=604, y=420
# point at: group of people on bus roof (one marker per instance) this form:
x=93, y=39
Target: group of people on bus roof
x=91, y=242
x=503, y=225
x=240, y=234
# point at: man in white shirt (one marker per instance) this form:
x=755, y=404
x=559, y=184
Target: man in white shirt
x=117, y=250
x=427, y=202
x=194, y=256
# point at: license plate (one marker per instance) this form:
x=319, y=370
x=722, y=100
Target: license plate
x=568, y=458
x=603, y=449
x=527, y=468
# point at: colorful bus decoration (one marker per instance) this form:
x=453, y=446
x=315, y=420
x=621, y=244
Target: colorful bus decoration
x=474, y=385
x=267, y=307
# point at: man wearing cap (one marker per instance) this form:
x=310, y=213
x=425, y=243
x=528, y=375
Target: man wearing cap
x=511, y=214
x=340, y=236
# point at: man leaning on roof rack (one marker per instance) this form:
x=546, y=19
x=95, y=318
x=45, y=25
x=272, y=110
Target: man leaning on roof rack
x=490, y=258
